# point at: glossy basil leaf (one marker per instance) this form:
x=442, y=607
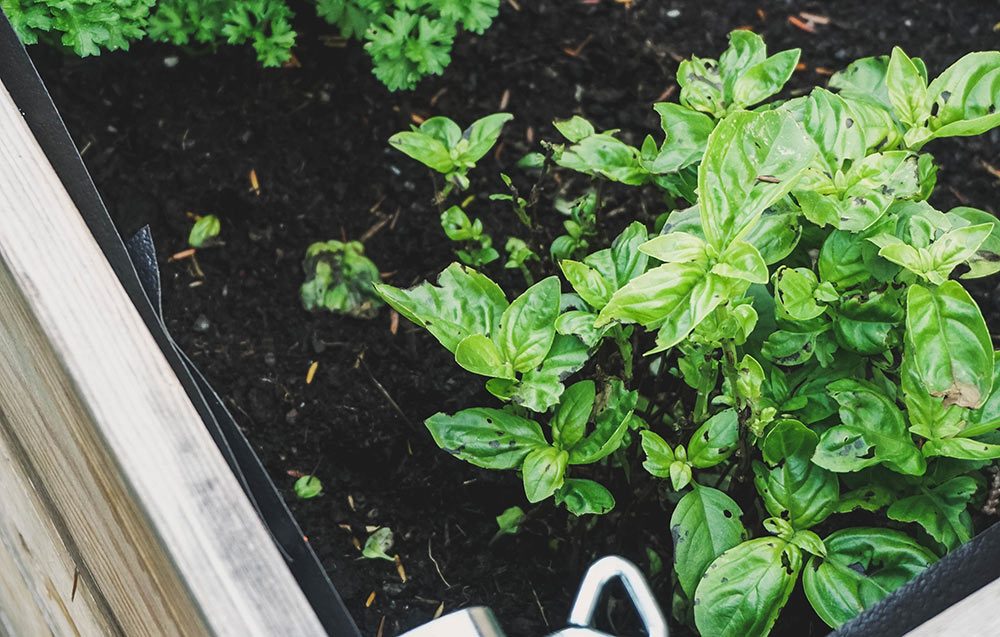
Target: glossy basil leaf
x=488, y=438
x=588, y=283
x=765, y=78
x=751, y=161
x=430, y=144
x=575, y=129
x=527, y=327
x=929, y=416
x=795, y=293
x=746, y=587
x=793, y=488
x=940, y=510
x=570, y=422
x=613, y=414
x=676, y=247
x=479, y=355
x=746, y=49
x=935, y=262
x=539, y=389
x=907, y=88
x=715, y=440
x=869, y=323
x=585, y=497
x=844, y=129
x=868, y=498
x=701, y=86
x=741, y=261
x=482, y=135
x=986, y=260
x=961, y=448
x=604, y=155
x=543, y=472
x=687, y=134
x=865, y=80
x=580, y=324
x=951, y=345
x=987, y=418
x=861, y=568
x=872, y=431
x=797, y=347
x=776, y=234
x=627, y=260
x=674, y=297
x=659, y=455
x=966, y=96
x=464, y=302
x=705, y=523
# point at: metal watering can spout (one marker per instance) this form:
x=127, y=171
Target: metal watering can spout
x=479, y=621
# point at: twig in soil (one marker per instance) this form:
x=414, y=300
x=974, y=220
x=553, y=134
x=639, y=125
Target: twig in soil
x=514, y=4
x=393, y=322
x=801, y=24
x=667, y=92
x=990, y=168
x=504, y=100
x=577, y=50
x=254, y=182
x=437, y=96
x=381, y=627
x=371, y=232
x=385, y=393
x=540, y=609
x=76, y=582
x=370, y=600
x=438, y=612
x=814, y=17
x=437, y=566
x=311, y=373
x=400, y=570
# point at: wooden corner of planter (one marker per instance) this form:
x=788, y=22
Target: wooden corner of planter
x=118, y=514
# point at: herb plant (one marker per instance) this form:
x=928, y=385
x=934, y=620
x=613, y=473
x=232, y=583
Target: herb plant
x=340, y=279
x=461, y=229
x=805, y=290
x=308, y=487
x=205, y=231
x=406, y=40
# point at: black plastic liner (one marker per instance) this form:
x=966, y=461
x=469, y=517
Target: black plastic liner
x=945, y=583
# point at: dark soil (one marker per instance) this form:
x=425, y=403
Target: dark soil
x=164, y=140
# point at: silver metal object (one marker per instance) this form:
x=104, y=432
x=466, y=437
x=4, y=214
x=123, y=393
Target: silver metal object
x=479, y=621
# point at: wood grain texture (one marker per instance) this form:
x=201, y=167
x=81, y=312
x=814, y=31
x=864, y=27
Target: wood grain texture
x=107, y=474
x=975, y=616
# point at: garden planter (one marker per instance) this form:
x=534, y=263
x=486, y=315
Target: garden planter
x=123, y=513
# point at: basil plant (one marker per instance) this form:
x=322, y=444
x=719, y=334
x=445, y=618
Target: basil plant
x=807, y=296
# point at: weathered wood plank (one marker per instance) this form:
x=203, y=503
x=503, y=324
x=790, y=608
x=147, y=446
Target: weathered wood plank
x=974, y=616
x=108, y=466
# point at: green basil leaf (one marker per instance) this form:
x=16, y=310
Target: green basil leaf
x=538, y=390
x=585, y=497
x=442, y=129
x=604, y=155
x=705, y=523
x=752, y=160
x=986, y=260
x=794, y=291
x=482, y=135
x=907, y=89
x=951, y=345
x=527, y=327
x=575, y=129
x=764, y=79
x=776, y=234
x=509, y=522
x=865, y=80
x=869, y=323
x=204, y=230
x=676, y=247
x=872, y=432
x=967, y=96
x=570, y=422
x=659, y=455
x=488, y=438
x=543, y=472
x=426, y=149
x=741, y=261
x=463, y=303
x=480, y=355
x=940, y=510
x=961, y=448
x=746, y=587
x=680, y=475
x=627, y=260
x=861, y=568
x=687, y=134
x=745, y=50
x=987, y=418
x=794, y=488
x=715, y=440
x=929, y=416
x=581, y=324
x=588, y=283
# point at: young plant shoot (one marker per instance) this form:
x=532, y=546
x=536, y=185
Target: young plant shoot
x=807, y=297
x=340, y=279
x=205, y=231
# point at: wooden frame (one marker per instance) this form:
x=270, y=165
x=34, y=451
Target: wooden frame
x=118, y=514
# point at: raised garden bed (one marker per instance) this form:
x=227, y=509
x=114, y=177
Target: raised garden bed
x=164, y=135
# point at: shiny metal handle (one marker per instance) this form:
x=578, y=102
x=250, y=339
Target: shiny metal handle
x=603, y=571
x=477, y=621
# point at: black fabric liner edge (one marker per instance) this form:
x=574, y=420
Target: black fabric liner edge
x=31, y=97
x=945, y=583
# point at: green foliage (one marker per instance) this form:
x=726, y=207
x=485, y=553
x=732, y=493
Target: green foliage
x=308, y=487
x=340, y=279
x=805, y=290
x=378, y=545
x=204, y=231
x=407, y=40
x=509, y=522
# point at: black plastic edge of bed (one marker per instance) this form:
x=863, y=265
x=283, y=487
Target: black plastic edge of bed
x=136, y=268
x=943, y=584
